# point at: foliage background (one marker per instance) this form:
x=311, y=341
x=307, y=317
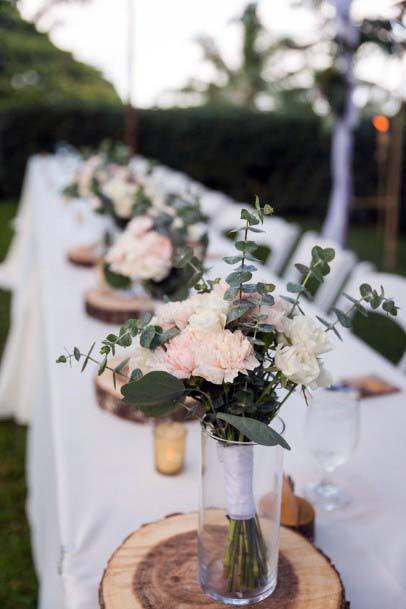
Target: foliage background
x=241, y=152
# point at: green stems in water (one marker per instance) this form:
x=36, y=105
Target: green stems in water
x=245, y=560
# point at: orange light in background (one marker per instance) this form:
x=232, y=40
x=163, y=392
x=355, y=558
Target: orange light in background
x=381, y=123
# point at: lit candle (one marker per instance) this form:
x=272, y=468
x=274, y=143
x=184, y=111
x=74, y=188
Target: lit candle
x=170, y=441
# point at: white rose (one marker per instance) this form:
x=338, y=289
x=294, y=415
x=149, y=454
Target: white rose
x=122, y=195
x=210, y=310
x=208, y=319
x=297, y=364
x=303, y=332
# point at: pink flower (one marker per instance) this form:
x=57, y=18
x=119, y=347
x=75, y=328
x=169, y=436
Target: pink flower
x=139, y=226
x=180, y=356
x=141, y=254
x=175, y=314
x=221, y=356
x=277, y=314
x=215, y=356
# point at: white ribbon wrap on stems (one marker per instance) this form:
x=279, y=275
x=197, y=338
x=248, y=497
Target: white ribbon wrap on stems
x=238, y=463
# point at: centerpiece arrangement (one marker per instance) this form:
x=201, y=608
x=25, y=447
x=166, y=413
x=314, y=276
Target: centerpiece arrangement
x=232, y=354
x=159, y=255
x=103, y=184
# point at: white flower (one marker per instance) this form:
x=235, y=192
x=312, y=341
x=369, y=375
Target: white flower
x=122, y=195
x=86, y=173
x=210, y=310
x=297, y=364
x=305, y=333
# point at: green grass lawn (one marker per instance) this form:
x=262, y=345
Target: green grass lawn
x=18, y=587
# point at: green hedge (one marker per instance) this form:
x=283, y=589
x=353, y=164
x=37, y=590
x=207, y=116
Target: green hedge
x=284, y=159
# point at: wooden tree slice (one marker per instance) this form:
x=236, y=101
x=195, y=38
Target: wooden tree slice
x=156, y=568
x=83, y=255
x=105, y=305
x=109, y=398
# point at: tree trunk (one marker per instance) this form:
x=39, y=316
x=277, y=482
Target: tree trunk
x=342, y=147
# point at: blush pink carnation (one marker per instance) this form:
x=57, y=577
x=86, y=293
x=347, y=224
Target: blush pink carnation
x=221, y=356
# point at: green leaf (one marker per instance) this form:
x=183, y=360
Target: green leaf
x=231, y=293
x=238, y=311
x=156, y=393
x=76, y=353
x=147, y=336
x=136, y=375
x=102, y=366
x=246, y=246
x=295, y=288
x=329, y=254
x=111, y=338
x=115, y=280
x=234, y=279
x=249, y=217
x=232, y=259
x=87, y=357
x=265, y=288
x=254, y=430
x=365, y=290
x=61, y=359
x=145, y=319
x=343, y=318
x=125, y=340
x=302, y=268
x=324, y=322
x=121, y=365
x=266, y=328
x=167, y=335
x=268, y=209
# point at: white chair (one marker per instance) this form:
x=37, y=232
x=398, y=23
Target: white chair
x=279, y=236
x=213, y=203
x=394, y=285
x=341, y=267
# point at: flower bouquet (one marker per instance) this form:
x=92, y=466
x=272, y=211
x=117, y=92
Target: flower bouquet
x=161, y=249
x=239, y=352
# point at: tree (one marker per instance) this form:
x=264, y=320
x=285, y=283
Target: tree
x=33, y=70
x=247, y=85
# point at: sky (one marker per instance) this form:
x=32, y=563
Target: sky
x=164, y=52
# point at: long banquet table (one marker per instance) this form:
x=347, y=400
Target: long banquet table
x=91, y=475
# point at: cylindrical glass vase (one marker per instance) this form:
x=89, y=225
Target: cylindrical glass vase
x=239, y=518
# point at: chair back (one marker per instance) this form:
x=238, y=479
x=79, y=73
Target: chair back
x=395, y=287
x=341, y=267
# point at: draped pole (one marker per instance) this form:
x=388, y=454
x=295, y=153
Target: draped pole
x=342, y=145
x=130, y=135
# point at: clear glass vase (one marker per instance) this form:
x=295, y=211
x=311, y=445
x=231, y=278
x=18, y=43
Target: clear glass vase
x=239, y=518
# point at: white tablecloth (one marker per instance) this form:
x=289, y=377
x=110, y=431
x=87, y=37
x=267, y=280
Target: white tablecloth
x=91, y=475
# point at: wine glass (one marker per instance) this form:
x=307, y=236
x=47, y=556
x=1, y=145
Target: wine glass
x=332, y=433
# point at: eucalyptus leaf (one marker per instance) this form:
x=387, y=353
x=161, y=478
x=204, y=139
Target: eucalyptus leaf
x=246, y=246
x=156, y=393
x=343, y=318
x=254, y=430
x=234, y=279
x=232, y=259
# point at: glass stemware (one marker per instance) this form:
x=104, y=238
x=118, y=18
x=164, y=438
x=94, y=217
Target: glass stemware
x=332, y=433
